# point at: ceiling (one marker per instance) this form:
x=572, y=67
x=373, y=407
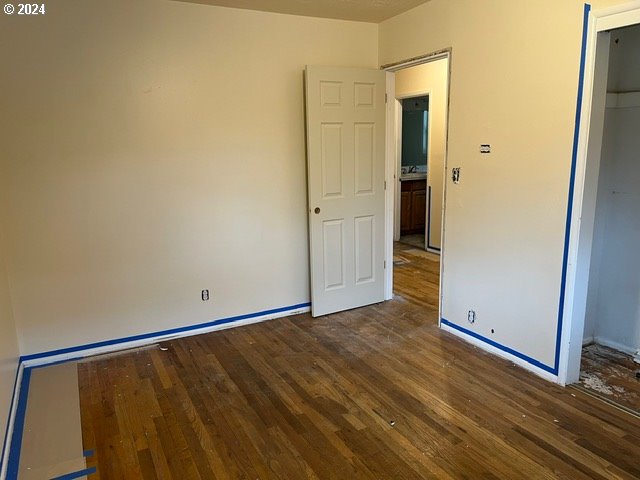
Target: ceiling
x=361, y=10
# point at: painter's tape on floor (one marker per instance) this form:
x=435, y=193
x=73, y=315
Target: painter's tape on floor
x=52, y=439
x=80, y=474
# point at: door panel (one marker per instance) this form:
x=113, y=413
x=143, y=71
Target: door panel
x=334, y=271
x=365, y=249
x=331, y=159
x=345, y=170
x=364, y=157
x=405, y=212
x=419, y=210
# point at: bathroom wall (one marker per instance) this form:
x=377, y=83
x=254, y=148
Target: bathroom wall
x=415, y=124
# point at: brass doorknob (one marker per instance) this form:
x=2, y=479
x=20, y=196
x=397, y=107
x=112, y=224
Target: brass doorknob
x=317, y=210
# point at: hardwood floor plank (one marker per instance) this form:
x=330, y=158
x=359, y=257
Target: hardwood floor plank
x=378, y=392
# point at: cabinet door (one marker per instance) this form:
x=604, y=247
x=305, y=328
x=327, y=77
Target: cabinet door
x=418, y=210
x=405, y=212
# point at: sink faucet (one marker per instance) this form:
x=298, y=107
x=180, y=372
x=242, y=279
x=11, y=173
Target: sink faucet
x=412, y=169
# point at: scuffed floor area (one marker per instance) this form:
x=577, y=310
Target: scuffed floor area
x=612, y=375
x=415, y=240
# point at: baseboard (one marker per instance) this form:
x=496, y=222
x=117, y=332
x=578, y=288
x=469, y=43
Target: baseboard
x=519, y=359
x=587, y=341
x=6, y=447
x=114, y=345
x=616, y=346
x=29, y=362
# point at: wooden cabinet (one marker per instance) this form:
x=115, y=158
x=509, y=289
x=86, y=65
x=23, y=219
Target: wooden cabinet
x=413, y=206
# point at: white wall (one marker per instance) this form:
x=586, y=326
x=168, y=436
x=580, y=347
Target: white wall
x=514, y=79
x=613, y=301
x=154, y=149
x=624, y=68
x=431, y=77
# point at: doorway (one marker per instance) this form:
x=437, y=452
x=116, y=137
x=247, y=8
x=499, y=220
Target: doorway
x=417, y=117
x=612, y=318
x=604, y=287
x=414, y=141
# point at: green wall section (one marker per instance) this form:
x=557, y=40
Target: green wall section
x=415, y=121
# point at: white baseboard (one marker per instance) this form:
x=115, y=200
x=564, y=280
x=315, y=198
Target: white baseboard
x=615, y=345
x=587, y=341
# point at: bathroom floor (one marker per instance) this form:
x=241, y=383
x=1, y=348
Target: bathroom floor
x=611, y=375
x=415, y=240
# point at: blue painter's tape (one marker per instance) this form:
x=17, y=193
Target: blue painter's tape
x=572, y=180
x=78, y=474
x=6, y=432
x=18, y=426
x=88, y=453
x=171, y=331
x=497, y=345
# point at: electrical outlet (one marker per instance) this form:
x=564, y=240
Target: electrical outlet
x=471, y=316
x=205, y=295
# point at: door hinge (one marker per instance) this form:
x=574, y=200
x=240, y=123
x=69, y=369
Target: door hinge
x=385, y=184
x=385, y=98
x=385, y=264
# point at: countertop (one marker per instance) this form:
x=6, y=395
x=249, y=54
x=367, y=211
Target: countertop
x=413, y=176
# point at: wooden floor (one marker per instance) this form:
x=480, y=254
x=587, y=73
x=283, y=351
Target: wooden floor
x=416, y=276
x=374, y=393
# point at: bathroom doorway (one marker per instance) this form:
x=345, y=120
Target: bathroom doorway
x=414, y=134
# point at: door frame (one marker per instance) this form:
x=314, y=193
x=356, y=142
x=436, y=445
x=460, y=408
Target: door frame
x=392, y=167
x=398, y=141
x=584, y=181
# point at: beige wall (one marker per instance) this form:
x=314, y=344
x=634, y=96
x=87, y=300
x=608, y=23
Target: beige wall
x=514, y=77
x=431, y=78
x=155, y=149
x=8, y=340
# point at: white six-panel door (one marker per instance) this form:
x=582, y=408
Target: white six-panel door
x=345, y=160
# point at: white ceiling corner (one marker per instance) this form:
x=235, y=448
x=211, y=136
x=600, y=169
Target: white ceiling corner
x=373, y=11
